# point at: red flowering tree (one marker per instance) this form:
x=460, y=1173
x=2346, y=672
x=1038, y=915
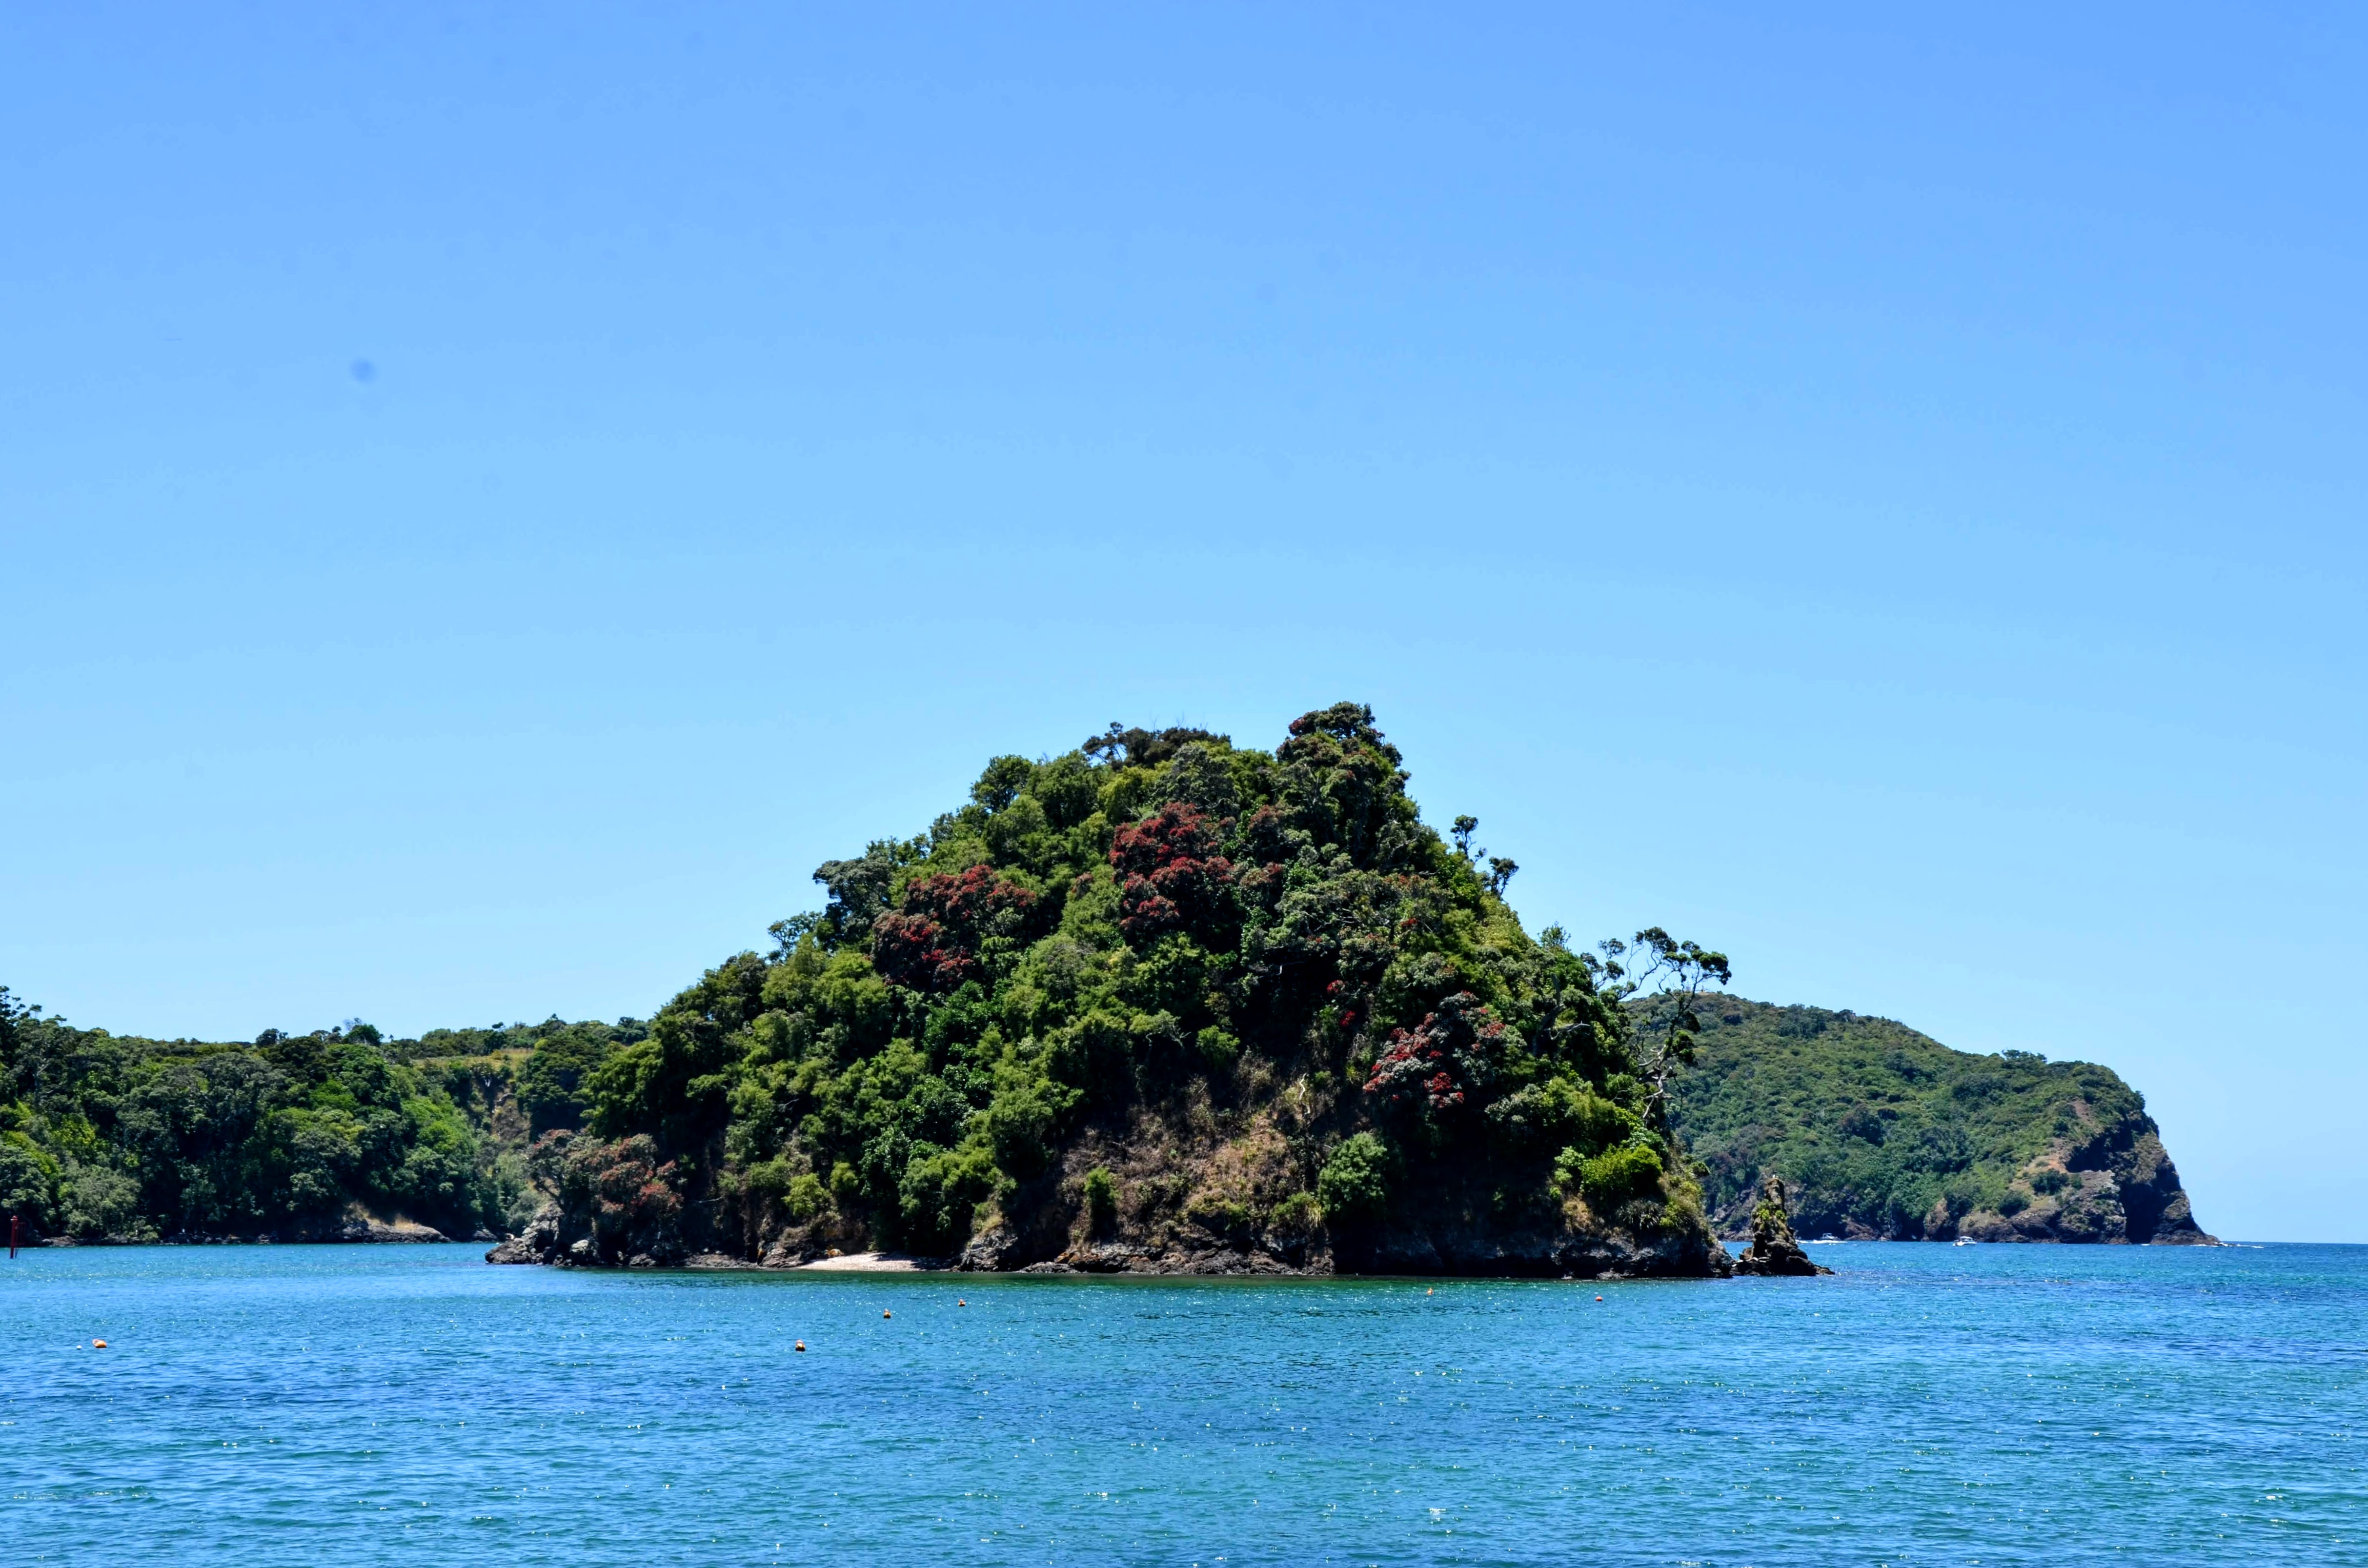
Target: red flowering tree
x=629, y=1193
x=1171, y=876
x=931, y=944
x=1443, y=1063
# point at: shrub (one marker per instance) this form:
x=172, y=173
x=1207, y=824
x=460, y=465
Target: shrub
x=1556, y=1114
x=1020, y=1127
x=1610, y=1178
x=514, y=1198
x=99, y=1202
x=1101, y=1201
x=938, y=1193
x=1863, y=1124
x=806, y=1198
x=1218, y=1213
x=1354, y=1186
x=1096, y=1054
x=1066, y=790
x=1295, y=1218
x=29, y=1180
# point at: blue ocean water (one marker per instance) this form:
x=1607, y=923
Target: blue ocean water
x=1929, y=1404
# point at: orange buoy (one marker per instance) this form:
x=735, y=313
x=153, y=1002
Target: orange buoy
x=887, y=1315
x=1429, y=1292
x=98, y=1344
x=801, y=1345
x=961, y=1303
x=1599, y=1298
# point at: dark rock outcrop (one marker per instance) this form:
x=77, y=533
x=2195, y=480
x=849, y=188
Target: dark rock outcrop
x=1473, y=1252
x=1774, y=1250
x=539, y=1243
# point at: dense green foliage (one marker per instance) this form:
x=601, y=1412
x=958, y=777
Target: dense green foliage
x=104, y=1135
x=1157, y=939
x=1879, y=1130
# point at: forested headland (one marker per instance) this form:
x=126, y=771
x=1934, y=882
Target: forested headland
x=1881, y=1131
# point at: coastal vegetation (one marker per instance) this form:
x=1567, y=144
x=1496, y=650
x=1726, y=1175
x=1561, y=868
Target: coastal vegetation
x=1158, y=1003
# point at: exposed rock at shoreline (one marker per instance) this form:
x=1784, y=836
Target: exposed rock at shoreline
x=362, y=1228
x=1774, y=1250
x=1545, y=1254
x=539, y=1243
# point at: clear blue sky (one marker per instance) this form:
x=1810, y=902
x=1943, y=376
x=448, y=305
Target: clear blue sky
x=490, y=497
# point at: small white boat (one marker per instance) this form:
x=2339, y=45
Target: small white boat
x=1964, y=1242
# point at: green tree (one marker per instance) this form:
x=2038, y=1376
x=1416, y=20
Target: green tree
x=1671, y=977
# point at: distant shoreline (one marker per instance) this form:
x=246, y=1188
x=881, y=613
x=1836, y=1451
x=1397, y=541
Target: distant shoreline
x=396, y=1232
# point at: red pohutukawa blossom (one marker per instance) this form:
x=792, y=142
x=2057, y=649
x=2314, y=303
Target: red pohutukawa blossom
x=632, y=1185
x=1442, y=1063
x=1172, y=878
x=932, y=943
x=628, y=1192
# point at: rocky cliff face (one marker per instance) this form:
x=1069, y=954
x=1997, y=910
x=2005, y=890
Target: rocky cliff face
x=1774, y=1250
x=1882, y=1132
x=2110, y=1182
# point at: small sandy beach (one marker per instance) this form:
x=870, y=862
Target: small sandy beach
x=874, y=1263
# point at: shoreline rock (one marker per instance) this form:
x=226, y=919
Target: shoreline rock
x=1402, y=1254
x=345, y=1231
x=1774, y=1250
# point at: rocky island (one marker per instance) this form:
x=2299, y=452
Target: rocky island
x=1158, y=1004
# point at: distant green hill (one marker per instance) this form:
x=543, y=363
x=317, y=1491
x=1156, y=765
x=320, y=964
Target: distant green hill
x=1878, y=1130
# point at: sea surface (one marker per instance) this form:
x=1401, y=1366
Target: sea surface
x=1928, y=1404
